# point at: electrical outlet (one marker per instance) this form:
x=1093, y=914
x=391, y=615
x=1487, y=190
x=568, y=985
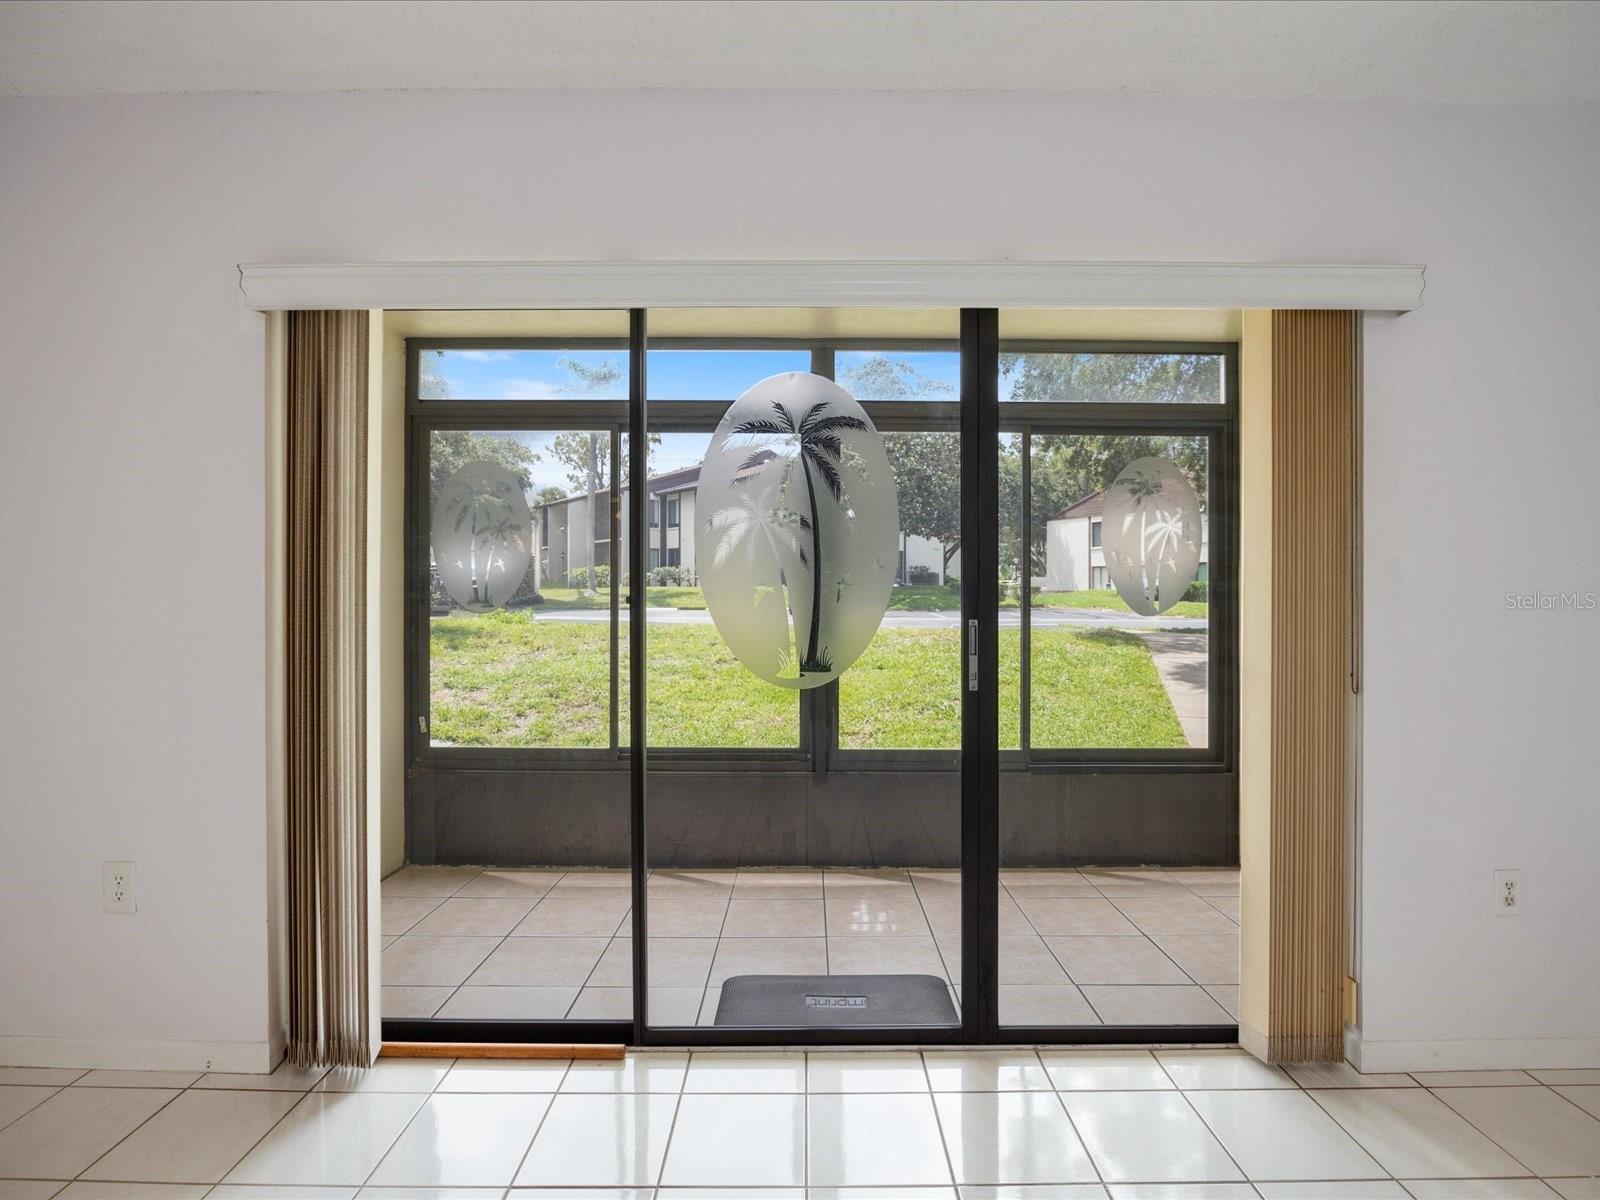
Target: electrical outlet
x=1508, y=893
x=117, y=885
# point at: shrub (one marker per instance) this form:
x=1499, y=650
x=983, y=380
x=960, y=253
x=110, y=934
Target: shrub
x=666, y=577
x=953, y=582
x=439, y=602
x=579, y=578
x=1197, y=590
x=920, y=576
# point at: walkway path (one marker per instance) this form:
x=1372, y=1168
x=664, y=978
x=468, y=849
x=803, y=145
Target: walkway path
x=1043, y=618
x=1182, y=662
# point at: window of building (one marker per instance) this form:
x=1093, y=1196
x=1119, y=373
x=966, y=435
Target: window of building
x=673, y=556
x=672, y=513
x=1094, y=533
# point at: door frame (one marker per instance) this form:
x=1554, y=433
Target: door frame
x=980, y=769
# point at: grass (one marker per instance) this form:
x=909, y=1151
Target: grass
x=509, y=679
x=1091, y=688
x=655, y=597
x=917, y=598
x=1109, y=600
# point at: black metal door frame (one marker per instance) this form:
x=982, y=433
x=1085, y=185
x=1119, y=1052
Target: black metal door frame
x=980, y=758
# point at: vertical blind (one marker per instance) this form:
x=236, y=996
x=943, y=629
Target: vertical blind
x=325, y=676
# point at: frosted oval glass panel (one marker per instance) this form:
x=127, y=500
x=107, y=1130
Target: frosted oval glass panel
x=482, y=536
x=799, y=529
x=1152, y=534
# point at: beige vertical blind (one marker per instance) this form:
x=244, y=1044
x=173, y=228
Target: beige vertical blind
x=325, y=675
x=1313, y=391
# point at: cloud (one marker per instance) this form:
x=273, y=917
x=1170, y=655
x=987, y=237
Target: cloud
x=528, y=389
x=483, y=355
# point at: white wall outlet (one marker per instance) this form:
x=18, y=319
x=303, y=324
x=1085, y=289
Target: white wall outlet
x=117, y=885
x=1508, y=893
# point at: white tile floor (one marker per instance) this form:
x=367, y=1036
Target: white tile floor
x=835, y=1125
x=1078, y=947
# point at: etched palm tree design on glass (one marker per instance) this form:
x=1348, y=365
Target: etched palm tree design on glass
x=482, y=534
x=1152, y=534
x=802, y=518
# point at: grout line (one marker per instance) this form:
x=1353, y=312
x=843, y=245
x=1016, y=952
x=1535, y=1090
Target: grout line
x=1481, y=1133
x=938, y=1122
x=56, y=1089
x=1204, y=1124
x=538, y=1127
x=160, y=1108
x=1073, y=1125
x=410, y=1121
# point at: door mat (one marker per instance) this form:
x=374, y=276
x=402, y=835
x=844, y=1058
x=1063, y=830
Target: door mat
x=797, y=1001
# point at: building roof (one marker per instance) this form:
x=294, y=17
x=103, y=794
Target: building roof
x=1092, y=505
x=678, y=480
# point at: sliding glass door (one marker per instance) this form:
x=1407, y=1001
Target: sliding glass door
x=802, y=860
x=801, y=675
x=1117, y=911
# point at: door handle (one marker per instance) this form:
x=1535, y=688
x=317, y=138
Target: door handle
x=972, y=656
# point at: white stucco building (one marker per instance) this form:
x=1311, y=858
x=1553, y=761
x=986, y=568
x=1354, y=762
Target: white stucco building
x=560, y=527
x=1074, y=557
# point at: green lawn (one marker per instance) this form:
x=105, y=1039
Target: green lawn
x=656, y=597
x=1106, y=599
x=509, y=679
x=920, y=598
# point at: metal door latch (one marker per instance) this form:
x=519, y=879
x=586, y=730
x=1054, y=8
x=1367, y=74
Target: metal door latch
x=972, y=656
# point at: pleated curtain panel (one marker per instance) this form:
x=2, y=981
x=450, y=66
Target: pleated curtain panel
x=325, y=638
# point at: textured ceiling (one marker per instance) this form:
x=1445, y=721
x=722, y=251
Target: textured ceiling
x=1484, y=50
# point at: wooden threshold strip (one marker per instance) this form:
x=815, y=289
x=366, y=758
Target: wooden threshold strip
x=498, y=1050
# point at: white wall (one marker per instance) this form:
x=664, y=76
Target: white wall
x=1066, y=554
x=132, y=717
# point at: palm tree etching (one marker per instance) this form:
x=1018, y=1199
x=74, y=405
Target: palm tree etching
x=1158, y=532
x=817, y=445
x=758, y=518
x=488, y=499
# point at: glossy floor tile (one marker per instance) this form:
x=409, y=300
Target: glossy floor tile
x=196, y=1139
x=1279, y=1134
x=1119, y=1129
x=985, y=1071
x=737, y=1141
x=1105, y=1071
x=463, y=1140
x=600, y=1141
x=1215, y=1069
x=1011, y=1138
x=873, y=1141
x=452, y=932
x=1414, y=1134
x=757, y=1072
x=1538, y=1127
x=839, y=1124
x=61, y=1136
x=329, y=1137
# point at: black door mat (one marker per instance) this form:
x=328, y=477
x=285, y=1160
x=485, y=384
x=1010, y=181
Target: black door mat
x=799, y=1001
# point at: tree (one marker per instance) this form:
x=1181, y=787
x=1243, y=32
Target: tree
x=582, y=452
x=927, y=466
x=927, y=475
x=549, y=495
x=814, y=441
x=453, y=449
x=431, y=385
x=1066, y=468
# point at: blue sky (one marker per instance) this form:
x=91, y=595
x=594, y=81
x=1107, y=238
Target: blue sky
x=672, y=375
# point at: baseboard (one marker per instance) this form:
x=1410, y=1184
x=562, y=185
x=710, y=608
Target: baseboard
x=1470, y=1055
x=130, y=1054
